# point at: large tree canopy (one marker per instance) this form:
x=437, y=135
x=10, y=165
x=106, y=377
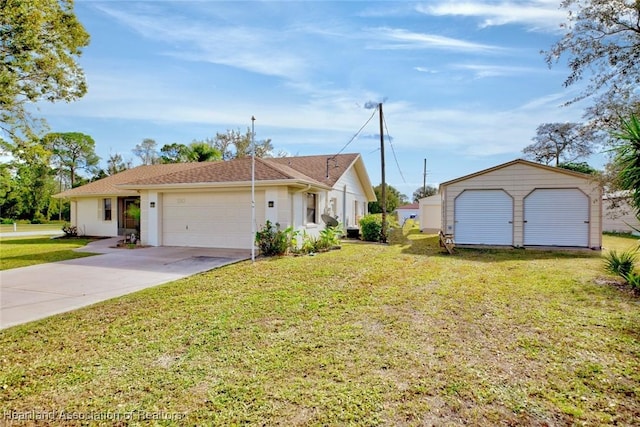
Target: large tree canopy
x=70, y=152
x=40, y=41
x=602, y=42
x=147, y=152
x=423, y=192
x=394, y=199
x=562, y=142
x=234, y=145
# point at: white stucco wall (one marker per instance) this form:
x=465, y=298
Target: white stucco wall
x=430, y=215
x=351, y=201
x=87, y=215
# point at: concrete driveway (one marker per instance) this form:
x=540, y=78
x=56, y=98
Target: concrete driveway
x=39, y=291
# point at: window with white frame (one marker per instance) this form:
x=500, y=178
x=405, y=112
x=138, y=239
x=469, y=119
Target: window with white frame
x=106, y=209
x=311, y=208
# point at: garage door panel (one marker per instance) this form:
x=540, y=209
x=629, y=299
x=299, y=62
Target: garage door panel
x=556, y=217
x=484, y=217
x=207, y=220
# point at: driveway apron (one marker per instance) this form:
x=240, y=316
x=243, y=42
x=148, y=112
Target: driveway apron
x=39, y=291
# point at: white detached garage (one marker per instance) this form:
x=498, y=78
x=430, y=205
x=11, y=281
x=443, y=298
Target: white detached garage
x=523, y=204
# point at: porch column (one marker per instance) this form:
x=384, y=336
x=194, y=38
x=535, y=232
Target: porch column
x=151, y=232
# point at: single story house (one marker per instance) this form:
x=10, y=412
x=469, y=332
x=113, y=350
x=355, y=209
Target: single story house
x=209, y=204
x=406, y=212
x=430, y=216
x=523, y=204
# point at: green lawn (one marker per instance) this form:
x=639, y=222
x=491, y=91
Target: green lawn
x=52, y=226
x=24, y=251
x=366, y=335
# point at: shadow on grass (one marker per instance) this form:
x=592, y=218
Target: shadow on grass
x=415, y=243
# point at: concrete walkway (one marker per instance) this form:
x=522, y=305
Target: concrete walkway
x=39, y=291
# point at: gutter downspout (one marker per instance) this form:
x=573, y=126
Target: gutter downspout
x=344, y=209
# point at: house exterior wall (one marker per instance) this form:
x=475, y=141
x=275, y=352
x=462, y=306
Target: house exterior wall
x=519, y=180
x=405, y=214
x=430, y=216
x=87, y=215
x=620, y=219
x=351, y=201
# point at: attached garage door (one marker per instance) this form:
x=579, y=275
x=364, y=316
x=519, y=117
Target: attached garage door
x=484, y=217
x=556, y=217
x=215, y=220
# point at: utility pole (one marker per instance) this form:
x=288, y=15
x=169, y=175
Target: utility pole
x=383, y=233
x=424, y=179
x=253, y=192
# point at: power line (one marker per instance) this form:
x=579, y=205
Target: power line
x=359, y=130
x=393, y=149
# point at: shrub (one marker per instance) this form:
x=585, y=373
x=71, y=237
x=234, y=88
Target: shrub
x=7, y=221
x=633, y=279
x=328, y=238
x=70, y=230
x=271, y=240
x=620, y=263
x=39, y=218
x=371, y=227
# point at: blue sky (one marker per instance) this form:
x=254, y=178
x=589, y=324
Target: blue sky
x=464, y=84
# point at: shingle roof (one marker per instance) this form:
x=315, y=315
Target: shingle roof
x=306, y=169
x=109, y=184
x=411, y=206
x=316, y=166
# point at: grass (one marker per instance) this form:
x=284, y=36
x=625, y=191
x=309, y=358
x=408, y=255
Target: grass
x=366, y=335
x=24, y=251
x=20, y=227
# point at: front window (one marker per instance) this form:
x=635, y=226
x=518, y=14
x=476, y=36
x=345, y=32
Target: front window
x=106, y=209
x=311, y=208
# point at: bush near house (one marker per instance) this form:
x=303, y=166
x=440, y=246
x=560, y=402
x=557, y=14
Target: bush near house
x=371, y=226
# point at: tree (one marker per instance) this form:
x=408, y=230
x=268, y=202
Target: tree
x=116, y=164
x=567, y=142
x=40, y=41
x=203, y=152
x=422, y=192
x=394, y=199
x=582, y=167
x=627, y=159
x=234, y=145
x=195, y=152
x=174, y=153
x=70, y=152
x=602, y=40
x=147, y=152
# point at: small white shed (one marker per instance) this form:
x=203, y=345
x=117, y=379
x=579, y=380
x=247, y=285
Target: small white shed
x=430, y=213
x=523, y=204
x=407, y=212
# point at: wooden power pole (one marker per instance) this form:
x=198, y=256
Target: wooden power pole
x=383, y=233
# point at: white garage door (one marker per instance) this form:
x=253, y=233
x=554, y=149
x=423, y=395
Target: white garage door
x=214, y=220
x=556, y=217
x=484, y=217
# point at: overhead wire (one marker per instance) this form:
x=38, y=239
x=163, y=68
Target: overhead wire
x=359, y=130
x=384, y=120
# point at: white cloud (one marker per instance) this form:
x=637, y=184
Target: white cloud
x=253, y=49
x=538, y=15
x=485, y=71
x=398, y=39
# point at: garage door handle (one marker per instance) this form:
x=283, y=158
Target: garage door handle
x=510, y=222
x=525, y=221
x=586, y=222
